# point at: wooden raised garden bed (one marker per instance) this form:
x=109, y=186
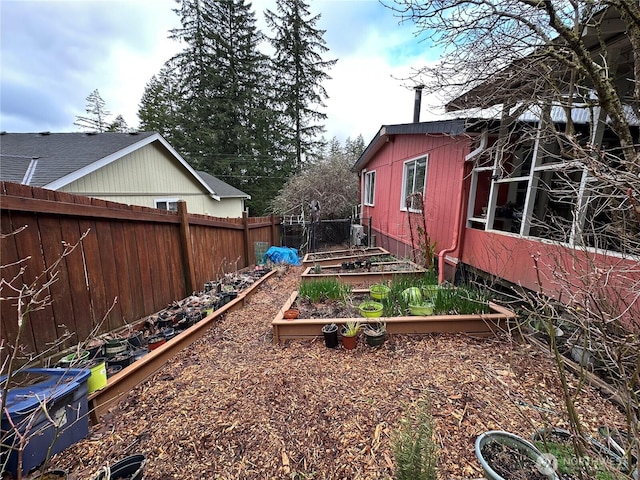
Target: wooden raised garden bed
x=125, y=380
x=483, y=325
x=365, y=275
x=336, y=257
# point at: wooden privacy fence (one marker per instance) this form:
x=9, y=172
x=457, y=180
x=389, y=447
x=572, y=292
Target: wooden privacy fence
x=132, y=262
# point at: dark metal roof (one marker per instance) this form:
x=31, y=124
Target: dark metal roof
x=455, y=126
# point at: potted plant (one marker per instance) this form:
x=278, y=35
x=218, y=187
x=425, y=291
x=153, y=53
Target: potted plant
x=371, y=309
x=412, y=295
x=430, y=292
x=94, y=346
x=74, y=360
x=374, y=334
x=349, y=333
x=330, y=333
x=379, y=291
x=503, y=453
x=422, y=309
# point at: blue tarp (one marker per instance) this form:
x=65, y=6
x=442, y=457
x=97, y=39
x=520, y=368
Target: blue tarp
x=280, y=255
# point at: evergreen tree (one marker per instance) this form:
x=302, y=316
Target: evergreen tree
x=96, y=119
x=118, y=125
x=300, y=69
x=160, y=105
x=226, y=121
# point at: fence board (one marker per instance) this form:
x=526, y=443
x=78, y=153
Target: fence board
x=148, y=288
x=131, y=253
x=8, y=250
x=59, y=290
x=135, y=278
x=78, y=292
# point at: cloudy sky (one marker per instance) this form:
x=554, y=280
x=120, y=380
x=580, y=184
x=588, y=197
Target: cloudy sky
x=54, y=53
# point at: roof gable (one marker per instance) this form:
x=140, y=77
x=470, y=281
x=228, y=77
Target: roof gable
x=53, y=160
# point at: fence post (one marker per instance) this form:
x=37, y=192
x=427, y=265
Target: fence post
x=245, y=224
x=187, y=251
x=272, y=230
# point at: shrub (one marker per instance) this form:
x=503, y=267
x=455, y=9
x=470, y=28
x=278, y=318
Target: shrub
x=414, y=448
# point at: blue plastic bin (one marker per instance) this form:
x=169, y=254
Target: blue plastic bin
x=64, y=391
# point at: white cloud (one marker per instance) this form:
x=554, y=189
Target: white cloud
x=55, y=53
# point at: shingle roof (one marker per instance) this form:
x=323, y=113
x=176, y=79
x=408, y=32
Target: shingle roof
x=222, y=189
x=51, y=157
x=52, y=160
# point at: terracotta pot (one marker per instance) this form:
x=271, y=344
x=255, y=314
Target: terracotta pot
x=349, y=343
x=155, y=342
x=291, y=313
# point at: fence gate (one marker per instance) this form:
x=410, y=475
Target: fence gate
x=300, y=234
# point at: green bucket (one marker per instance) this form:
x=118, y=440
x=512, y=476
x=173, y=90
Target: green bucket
x=98, y=378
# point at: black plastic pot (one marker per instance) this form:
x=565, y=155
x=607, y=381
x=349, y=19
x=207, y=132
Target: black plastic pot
x=374, y=340
x=129, y=468
x=164, y=322
x=96, y=349
x=330, y=332
x=136, y=340
x=113, y=369
x=169, y=333
x=122, y=359
x=115, y=346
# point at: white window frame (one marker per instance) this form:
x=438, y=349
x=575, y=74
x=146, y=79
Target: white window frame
x=168, y=201
x=369, y=188
x=532, y=179
x=405, y=194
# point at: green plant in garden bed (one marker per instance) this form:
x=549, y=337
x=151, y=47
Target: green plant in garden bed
x=324, y=289
x=383, y=258
x=463, y=300
x=351, y=329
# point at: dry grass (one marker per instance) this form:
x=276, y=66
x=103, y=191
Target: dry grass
x=235, y=406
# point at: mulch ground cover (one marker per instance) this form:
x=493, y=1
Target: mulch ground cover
x=235, y=406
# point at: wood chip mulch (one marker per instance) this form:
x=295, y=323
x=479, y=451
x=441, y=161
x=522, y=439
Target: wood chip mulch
x=236, y=406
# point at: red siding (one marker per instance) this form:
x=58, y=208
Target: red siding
x=444, y=180
x=571, y=275
x=566, y=274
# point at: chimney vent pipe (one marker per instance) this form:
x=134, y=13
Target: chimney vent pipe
x=417, y=103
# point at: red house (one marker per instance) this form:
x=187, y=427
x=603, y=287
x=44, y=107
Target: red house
x=439, y=185
x=543, y=194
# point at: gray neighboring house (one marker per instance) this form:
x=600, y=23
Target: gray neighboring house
x=139, y=168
